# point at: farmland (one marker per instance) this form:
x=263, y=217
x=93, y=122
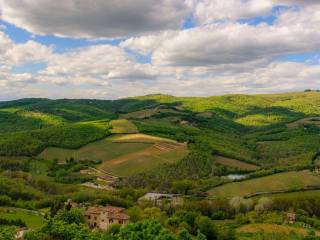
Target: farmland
x=112, y=152
x=234, y=163
x=102, y=150
x=277, y=182
x=272, y=229
x=160, y=151
x=122, y=126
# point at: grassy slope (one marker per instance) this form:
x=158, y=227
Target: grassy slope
x=32, y=219
x=234, y=163
x=159, y=151
x=122, y=126
x=272, y=229
x=234, y=128
x=103, y=150
x=276, y=182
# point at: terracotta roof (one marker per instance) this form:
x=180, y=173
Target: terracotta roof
x=121, y=216
x=113, y=212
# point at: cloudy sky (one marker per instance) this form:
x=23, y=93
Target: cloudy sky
x=110, y=49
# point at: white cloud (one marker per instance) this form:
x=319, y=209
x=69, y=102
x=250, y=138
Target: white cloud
x=233, y=43
x=99, y=65
x=215, y=58
x=208, y=11
x=12, y=54
x=95, y=19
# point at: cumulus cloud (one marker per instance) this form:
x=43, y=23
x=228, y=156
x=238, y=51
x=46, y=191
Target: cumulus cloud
x=215, y=57
x=208, y=11
x=232, y=43
x=96, y=64
x=95, y=19
x=12, y=54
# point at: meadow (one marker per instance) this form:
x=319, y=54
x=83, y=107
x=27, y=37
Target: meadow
x=102, y=150
x=276, y=182
x=122, y=126
x=32, y=219
x=234, y=163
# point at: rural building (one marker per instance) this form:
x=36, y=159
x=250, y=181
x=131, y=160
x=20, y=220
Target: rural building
x=291, y=218
x=20, y=233
x=161, y=198
x=102, y=217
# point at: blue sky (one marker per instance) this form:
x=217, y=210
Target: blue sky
x=199, y=47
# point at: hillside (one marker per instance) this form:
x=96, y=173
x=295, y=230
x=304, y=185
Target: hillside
x=244, y=127
x=215, y=150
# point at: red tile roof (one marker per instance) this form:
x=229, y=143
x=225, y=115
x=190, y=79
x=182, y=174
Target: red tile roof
x=113, y=212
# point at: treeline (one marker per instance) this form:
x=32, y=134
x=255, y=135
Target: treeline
x=31, y=143
x=13, y=222
x=70, y=171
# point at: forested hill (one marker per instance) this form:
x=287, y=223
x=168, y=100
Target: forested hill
x=268, y=130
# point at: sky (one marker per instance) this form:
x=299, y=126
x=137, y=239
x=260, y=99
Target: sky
x=109, y=49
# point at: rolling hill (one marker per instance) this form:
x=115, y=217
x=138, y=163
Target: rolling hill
x=262, y=131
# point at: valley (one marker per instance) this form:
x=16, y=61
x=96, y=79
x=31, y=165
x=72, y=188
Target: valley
x=113, y=152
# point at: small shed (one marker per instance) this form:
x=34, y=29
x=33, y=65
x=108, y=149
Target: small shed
x=291, y=218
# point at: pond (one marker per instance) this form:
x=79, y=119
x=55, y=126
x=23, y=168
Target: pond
x=235, y=176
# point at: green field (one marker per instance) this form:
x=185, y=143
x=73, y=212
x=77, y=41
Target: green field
x=276, y=182
x=293, y=195
x=143, y=160
x=122, y=126
x=148, y=113
x=102, y=150
x=271, y=231
x=160, y=150
x=234, y=163
x=32, y=219
x=123, y=154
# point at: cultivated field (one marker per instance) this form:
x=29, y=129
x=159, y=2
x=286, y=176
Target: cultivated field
x=102, y=150
x=276, y=182
x=161, y=151
x=234, y=163
x=122, y=126
x=294, y=195
x=273, y=228
x=148, y=113
x=308, y=121
x=123, y=154
x=139, y=138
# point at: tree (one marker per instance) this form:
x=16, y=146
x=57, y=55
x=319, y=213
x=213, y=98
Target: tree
x=136, y=214
x=145, y=230
x=7, y=233
x=182, y=186
x=206, y=227
x=72, y=216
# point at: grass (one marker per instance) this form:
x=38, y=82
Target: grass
x=102, y=150
x=139, y=138
x=276, y=182
x=304, y=121
x=160, y=150
x=143, y=160
x=293, y=195
x=123, y=126
x=273, y=228
x=234, y=163
x=32, y=219
x=148, y=113
x=123, y=154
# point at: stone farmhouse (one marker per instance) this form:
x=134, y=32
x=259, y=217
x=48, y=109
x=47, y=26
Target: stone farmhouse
x=102, y=217
x=161, y=198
